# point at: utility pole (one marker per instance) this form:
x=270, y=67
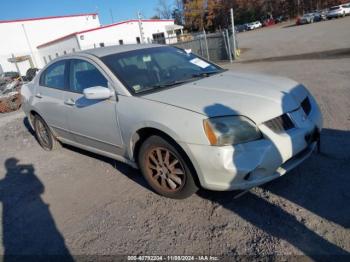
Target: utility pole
x=29, y=45
x=206, y=44
x=142, y=36
x=234, y=47
x=111, y=13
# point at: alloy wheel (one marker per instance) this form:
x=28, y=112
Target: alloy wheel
x=165, y=169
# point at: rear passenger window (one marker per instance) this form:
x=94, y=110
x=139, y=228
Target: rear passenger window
x=84, y=75
x=54, y=76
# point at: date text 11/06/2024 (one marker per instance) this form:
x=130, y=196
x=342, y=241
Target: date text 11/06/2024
x=173, y=258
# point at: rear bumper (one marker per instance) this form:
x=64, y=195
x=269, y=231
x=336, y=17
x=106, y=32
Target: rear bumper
x=248, y=165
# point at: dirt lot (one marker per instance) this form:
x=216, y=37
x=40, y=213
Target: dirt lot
x=76, y=203
x=288, y=39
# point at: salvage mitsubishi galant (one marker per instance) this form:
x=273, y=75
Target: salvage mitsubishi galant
x=184, y=121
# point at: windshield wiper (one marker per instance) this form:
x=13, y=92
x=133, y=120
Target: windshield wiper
x=173, y=83
x=206, y=74
x=180, y=82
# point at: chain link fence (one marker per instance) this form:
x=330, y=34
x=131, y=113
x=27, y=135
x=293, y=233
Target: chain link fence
x=214, y=46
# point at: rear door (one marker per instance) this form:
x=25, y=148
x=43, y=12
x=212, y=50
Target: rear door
x=93, y=123
x=49, y=97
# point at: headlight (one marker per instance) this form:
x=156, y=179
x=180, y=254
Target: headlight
x=230, y=130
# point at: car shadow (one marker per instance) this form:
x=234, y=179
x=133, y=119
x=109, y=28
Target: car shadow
x=320, y=185
x=28, y=126
x=289, y=26
x=29, y=230
x=131, y=173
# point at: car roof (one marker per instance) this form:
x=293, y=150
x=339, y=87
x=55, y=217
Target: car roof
x=109, y=50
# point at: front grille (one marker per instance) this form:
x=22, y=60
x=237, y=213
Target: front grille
x=306, y=106
x=280, y=124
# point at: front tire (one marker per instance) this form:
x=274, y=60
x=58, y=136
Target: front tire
x=165, y=169
x=44, y=135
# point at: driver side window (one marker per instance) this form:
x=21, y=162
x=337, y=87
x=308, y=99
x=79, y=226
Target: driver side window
x=84, y=75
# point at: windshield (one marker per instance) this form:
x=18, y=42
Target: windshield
x=334, y=8
x=156, y=68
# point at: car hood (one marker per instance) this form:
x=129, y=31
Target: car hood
x=257, y=96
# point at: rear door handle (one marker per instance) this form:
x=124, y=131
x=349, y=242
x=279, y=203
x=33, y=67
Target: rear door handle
x=38, y=95
x=69, y=102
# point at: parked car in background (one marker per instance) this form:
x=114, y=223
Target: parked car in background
x=281, y=18
x=305, y=19
x=184, y=121
x=336, y=11
x=241, y=28
x=254, y=25
x=269, y=22
x=346, y=8
x=320, y=15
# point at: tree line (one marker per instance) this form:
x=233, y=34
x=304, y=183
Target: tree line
x=211, y=15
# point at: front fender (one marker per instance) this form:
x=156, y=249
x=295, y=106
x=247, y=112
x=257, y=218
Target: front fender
x=135, y=113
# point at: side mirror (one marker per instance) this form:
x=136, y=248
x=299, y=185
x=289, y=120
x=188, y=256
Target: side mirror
x=97, y=92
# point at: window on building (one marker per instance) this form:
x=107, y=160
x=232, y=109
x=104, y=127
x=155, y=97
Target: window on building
x=121, y=42
x=65, y=52
x=45, y=60
x=82, y=37
x=54, y=76
x=138, y=40
x=50, y=58
x=159, y=38
x=84, y=75
x=73, y=50
x=94, y=17
x=56, y=54
x=102, y=44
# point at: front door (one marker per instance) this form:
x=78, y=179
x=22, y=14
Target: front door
x=93, y=123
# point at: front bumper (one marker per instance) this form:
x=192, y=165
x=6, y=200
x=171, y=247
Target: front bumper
x=251, y=164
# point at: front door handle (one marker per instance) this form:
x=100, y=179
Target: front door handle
x=69, y=102
x=38, y=95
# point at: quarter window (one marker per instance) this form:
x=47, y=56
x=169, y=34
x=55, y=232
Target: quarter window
x=84, y=75
x=54, y=76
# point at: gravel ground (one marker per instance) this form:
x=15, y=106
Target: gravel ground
x=76, y=203
x=288, y=39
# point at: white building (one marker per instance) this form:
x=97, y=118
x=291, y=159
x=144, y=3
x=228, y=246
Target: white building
x=21, y=37
x=127, y=32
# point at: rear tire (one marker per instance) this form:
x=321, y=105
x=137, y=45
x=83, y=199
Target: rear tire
x=44, y=135
x=165, y=169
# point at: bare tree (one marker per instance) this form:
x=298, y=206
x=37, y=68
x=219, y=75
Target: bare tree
x=178, y=12
x=164, y=9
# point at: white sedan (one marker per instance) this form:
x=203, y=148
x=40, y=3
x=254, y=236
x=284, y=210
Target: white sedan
x=254, y=25
x=184, y=121
x=337, y=11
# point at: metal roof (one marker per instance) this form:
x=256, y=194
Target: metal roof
x=102, y=27
x=44, y=18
